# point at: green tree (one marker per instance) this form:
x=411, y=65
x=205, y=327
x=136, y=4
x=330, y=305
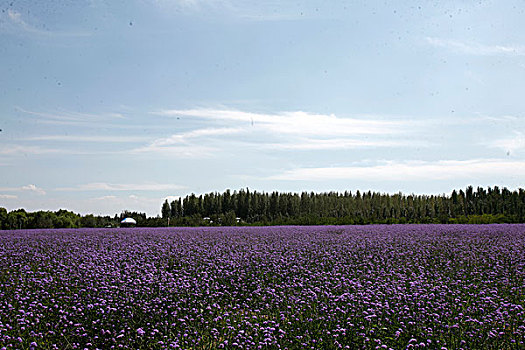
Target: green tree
x=43, y=219
x=88, y=220
x=166, y=210
x=3, y=217
x=17, y=219
x=229, y=219
x=176, y=209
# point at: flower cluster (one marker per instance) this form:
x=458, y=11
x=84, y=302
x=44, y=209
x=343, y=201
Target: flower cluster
x=357, y=287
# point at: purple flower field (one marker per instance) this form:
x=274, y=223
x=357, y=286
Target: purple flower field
x=358, y=287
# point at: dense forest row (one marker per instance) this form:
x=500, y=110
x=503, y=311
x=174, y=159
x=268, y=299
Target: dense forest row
x=245, y=207
x=492, y=205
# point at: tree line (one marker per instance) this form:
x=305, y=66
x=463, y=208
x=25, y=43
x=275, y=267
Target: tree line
x=21, y=219
x=491, y=205
x=245, y=207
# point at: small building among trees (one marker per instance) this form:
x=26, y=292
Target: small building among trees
x=128, y=222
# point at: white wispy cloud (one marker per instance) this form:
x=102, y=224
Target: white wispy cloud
x=117, y=204
x=183, y=138
x=298, y=130
x=27, y=188
x=8, y=196
x=33, y=188
x=19, y=149
x=338, y=144
x=502, y=118
x=87, y=138
x=72, y=116
x=111, y=121
x=14, y=150
x=192, y=151
x=510, y=144
x=187, y=144
x=409, y=171
x=172, y=198
x=104, y=186
x=476, y=48
x=241, y=10
x=16, y=18
x=182, y=4
x=104, y=198
x=297, y=122
x=21, y=25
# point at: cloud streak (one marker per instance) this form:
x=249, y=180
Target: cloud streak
x=409, y=171
x=71, y=116
x=104, y=186
x=183, y=138
x=292, y=131
x=33, y=188
x=21, y=25
x=188, y=144
x=510, y=144
x=297, y=122
x=8, y=196
x=27, y=188
x=339, y=144
x=86, y=138
x=241, y=10
x=115, y=204
x=17, y=150
x=477, y=49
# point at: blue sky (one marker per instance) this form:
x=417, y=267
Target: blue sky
x=113, y=105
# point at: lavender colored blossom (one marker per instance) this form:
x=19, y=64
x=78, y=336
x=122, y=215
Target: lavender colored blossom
x=356, y=287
